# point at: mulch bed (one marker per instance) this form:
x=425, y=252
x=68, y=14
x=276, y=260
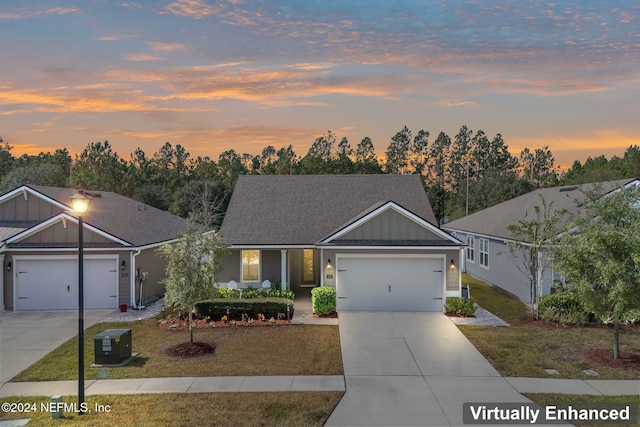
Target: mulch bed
x=541, y=323
x=190, y=350
x=604, y=357
x=183, y=324
x=332, y=315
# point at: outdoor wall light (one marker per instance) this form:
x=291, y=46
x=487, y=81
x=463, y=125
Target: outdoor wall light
x=9, y=266
x=453, y=265
x=122, y=265
x=329, y=263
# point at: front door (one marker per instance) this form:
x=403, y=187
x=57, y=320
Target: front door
x=304, y=267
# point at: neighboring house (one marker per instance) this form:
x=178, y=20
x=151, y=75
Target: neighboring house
x=39, y=249
x=487, y=255
x=372, y=237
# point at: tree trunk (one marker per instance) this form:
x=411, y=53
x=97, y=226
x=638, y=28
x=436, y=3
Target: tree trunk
x=190, y=326
x=616, y=338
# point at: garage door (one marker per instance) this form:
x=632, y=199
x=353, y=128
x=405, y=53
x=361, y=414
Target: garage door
x=393, y=284
x=52, y=284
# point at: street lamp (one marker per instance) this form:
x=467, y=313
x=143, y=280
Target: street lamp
x=80, y=203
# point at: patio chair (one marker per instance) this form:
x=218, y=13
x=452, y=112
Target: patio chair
x=266, y=286
x=234, y=285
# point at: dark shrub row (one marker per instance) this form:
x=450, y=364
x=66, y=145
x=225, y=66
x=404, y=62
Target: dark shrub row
x=234, y=308
x=250, y=293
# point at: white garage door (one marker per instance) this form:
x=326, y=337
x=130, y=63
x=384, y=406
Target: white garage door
x=52, y=284
x=393, y=284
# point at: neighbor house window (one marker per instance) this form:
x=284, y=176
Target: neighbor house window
x=471, y=249
x=484, y=252
x=251, y=266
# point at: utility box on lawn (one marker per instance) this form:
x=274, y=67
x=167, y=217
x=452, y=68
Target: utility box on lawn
x=112, y=346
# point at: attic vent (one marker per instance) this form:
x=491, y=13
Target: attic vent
x=90, y=194
x=567, y=189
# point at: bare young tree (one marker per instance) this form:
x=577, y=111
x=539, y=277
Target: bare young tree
x=531, y=244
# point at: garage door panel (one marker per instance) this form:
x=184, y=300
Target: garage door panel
x=52, y=284
x=396, y=284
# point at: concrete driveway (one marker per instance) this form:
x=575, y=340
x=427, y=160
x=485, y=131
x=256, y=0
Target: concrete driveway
x=411, y=369
x=26, y=336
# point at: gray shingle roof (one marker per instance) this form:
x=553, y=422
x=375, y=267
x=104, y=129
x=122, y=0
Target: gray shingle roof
x=127, y=219
x=494, y=221
x=301, y=209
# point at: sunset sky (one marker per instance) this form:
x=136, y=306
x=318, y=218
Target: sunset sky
x=218, y=75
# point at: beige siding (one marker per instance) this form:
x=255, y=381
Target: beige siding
x=32, y=209
x=58, y=233
x=154, y=264
x=390, y=225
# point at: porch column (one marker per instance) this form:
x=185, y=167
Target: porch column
x=283, y=269
x=2, y=283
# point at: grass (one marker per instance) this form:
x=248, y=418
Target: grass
x=264, y=350
x=210, y=409
x=524, y=350
x=548, y=399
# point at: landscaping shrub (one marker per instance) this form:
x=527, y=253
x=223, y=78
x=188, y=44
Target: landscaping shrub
x=631, y=316
x=457, y=305
x=563, y=307
x=251, y=293
x=226, y=293
x=323, y=300
x=277, y=293
x=269, y=307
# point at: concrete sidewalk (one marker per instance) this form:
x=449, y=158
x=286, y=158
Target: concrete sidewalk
x=290, y=383
x=178, y=385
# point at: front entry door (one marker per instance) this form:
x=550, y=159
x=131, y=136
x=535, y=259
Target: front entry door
x=304, y=267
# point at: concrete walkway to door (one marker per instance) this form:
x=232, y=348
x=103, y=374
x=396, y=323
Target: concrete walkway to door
x=411, y=369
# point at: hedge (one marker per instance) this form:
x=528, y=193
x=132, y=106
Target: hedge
x=250, y=293
x=217, y=307
x=457, y=305
x=323, y=300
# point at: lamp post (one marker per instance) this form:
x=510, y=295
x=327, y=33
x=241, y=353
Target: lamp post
x=80, y=203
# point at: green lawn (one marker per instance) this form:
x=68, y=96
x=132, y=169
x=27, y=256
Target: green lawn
x=526, y=350
x=192, y=409
x=264, y=350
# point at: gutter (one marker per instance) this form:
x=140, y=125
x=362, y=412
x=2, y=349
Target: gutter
x=132, y=275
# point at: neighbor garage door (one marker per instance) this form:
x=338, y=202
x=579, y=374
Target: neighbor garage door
x=52, y=284
x=393, y=284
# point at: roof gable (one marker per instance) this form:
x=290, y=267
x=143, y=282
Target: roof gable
x=392, y=223
x=303, y=209
x=122, y=219
x=56, y=231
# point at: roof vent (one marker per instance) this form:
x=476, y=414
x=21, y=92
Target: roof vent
x=567, y=189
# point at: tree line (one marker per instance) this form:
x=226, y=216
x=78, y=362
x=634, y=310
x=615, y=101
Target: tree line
x=462, y=174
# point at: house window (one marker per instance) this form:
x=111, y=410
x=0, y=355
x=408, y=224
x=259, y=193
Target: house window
x=251, y=266
x=471, y=249
x=484, y=253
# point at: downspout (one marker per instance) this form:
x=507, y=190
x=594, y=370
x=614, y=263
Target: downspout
x=132, y=275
